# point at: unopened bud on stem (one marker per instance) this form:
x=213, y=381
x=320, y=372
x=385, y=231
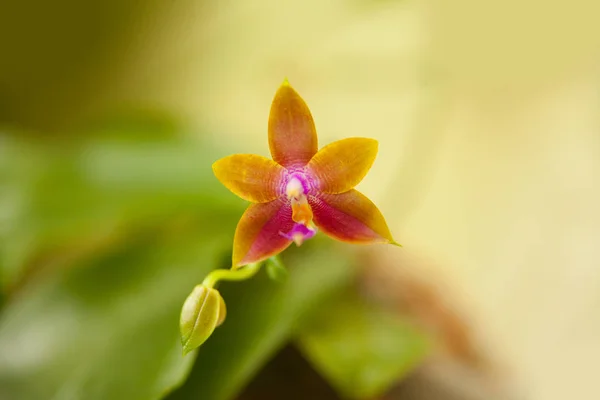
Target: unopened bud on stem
x=202, y=312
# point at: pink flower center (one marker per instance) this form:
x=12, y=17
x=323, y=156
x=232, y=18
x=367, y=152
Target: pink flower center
x=294, y=188
x=297, y=182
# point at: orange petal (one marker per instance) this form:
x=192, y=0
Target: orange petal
x=341, y=165
x=350, y=217
x=253, y=178
x=292, y=133
x=257, y=236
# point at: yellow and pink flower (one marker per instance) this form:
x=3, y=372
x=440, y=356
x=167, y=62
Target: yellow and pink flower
x=302, y=189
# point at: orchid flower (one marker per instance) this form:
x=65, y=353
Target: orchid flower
x=302, y=189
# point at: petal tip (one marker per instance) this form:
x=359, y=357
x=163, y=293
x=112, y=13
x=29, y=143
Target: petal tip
x=237, y=260
x=394, y=243
x=217, y=166
x=374, y=143
x=285, y=82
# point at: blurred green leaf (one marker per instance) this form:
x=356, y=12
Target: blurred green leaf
x=108, y=328
x=360, y=348
x=73, y=196
x=101, y=240
x=262, y=316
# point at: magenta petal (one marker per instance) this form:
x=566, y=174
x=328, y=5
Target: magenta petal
x=299, y=233
x=350, y=217
x=257, y=235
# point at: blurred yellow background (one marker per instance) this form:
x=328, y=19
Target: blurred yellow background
x=487, y=114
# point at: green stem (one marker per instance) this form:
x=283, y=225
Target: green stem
x=240, y=274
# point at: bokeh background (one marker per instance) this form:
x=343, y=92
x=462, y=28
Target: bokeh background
x=488, y=118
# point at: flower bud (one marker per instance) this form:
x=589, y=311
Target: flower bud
x=202, y=312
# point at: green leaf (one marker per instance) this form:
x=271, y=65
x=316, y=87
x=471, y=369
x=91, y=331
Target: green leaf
x=360, y=348
x=72, y=196
x=107, y=328
x=262, y=317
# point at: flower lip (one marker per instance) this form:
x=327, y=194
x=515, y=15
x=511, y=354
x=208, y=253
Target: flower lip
x=299, y=233
x=296, y=182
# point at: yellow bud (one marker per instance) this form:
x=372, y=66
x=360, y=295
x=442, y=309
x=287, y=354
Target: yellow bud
x=202, y=312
